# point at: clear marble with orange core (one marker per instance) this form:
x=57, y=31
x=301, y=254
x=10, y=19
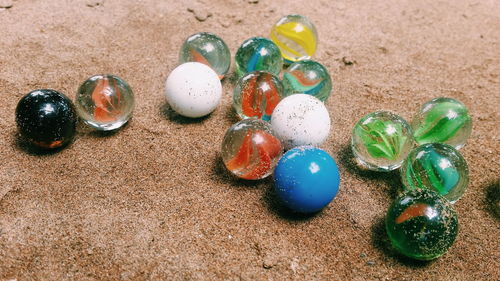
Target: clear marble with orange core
x=105, y=102
x=209, y=49
x=250, y=149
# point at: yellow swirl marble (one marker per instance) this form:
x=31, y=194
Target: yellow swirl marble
x=296, y=37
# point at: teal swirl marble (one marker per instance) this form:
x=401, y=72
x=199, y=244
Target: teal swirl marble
x=443, y=120
x=436, y=166
x=421, y=224
x=308, y=77
x=381, y=141
x=258, y=53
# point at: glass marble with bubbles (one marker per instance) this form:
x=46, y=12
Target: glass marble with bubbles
x=421, y=224
x=46, y=119
x=258, y=53
x=105, y=102
x=436, y=166
x=296, y=37
x=443, y=120
x=209, y=49
x=381, y=141
x=256, y=95
x=308, y=77
x=250, y=149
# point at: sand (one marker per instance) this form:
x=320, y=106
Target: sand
x=153, y=201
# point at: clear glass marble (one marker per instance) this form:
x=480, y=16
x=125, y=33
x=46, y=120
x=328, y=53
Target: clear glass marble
x=443, y=120
x=381, y=141
x=250, y=149
x=256, y=95
x=307, y=77
x=105, y=102
x=436, y=166
x=258, y=53
x=296, y=36
x=209, y=49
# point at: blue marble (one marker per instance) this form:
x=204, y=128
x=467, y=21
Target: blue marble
x=306, y=179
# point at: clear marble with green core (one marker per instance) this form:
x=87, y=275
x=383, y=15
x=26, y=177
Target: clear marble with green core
x=258, y=53
x=308, y=77
x=443, y=120
x=436, y=166
x=381, y=141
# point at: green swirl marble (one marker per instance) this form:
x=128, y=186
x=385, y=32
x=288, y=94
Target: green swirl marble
x=258, y=53
x=421, y=224
x=442, y=120
x=436, y=166
x=381, y=140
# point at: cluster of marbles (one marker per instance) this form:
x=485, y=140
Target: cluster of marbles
x=258, y=53
x=421, y=224
x=256, y=95
x=308, y=77
x=442, y=120
x=270, y=122
x=438, y=167
x=381, y=141
x=105, y=102
x=209, y=49
x=274, y=117
x=306, y=179
x=290, y=115
x=46, y=119
x=440, y=128
x=193, y=89
x=250, y=149
x=283, y=115
x=296, y=37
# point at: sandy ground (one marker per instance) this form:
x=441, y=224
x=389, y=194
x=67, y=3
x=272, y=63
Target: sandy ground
x=153, y=201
